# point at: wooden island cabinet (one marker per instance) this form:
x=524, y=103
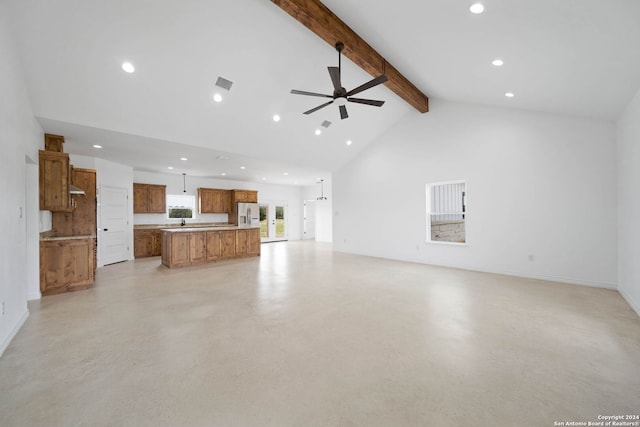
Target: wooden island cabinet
x=191, y=246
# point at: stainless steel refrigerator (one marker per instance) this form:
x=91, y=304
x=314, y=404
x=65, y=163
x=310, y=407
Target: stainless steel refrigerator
x=248, y=214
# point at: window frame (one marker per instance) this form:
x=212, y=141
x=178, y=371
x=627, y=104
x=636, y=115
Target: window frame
x=193, y=207
x=465, y=212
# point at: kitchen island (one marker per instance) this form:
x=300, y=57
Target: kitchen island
x=197, y=245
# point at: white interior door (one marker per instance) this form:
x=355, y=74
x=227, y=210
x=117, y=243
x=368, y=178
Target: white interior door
x=309, y=224
x=273, y=221
x=114, y=225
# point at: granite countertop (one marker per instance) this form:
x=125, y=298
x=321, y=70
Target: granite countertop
x=177, y=225
x=48, y=236
x=187, y=229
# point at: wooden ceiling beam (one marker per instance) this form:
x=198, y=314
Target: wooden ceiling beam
x=318, y=18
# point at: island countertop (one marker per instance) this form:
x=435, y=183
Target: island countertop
x=187, y=229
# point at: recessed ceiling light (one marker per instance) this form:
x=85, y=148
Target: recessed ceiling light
x=276, y=118
x=170, y=167
x=223, y=174
x=498, y=62
x=476, y=8
x=128, y=67
x=183, y=159
x=509, y=94
x=349, y=142
x=217, y=97
x=242, y=167
x=264, y=178
x=286, y=173
x=318, y=131
x=97, y=146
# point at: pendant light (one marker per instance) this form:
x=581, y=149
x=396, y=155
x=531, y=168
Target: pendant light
x=184, y=182
x=321, y=190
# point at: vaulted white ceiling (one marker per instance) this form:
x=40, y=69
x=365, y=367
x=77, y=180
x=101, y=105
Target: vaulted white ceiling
x=567, y=57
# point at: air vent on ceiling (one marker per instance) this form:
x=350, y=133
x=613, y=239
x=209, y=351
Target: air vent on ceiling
x=224, y=83
x=326, y=124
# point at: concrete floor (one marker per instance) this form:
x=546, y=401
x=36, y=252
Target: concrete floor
x=305, y=337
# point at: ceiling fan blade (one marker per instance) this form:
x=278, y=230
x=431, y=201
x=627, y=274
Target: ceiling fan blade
x=367, y=101
x=343, y=112
x=367, y=85
x=318, y=107
x=302, y=92
x=334, y=72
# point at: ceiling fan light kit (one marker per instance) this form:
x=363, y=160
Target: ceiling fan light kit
x=340, y=95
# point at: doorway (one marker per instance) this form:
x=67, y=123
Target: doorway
x=114, y=221
x=273, y=221
x=309, y=218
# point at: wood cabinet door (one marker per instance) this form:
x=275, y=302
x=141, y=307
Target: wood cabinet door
x=242, y=242
x=157, y=243
x=142, y=243
x=180, y=249
x=157, y=199
x=140, y=198
x=54, y=181
x=228, y=243
x=253, y=242
x=205, y=200
x=197, y=247
x=213, y=245
x=226, y=201
x=66, y=265
x=251, y=196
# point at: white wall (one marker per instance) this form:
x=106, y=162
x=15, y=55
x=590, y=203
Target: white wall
x=323, y=209
x=537, y=184
x=628, y=151
x=266, y=192
x=20, y=138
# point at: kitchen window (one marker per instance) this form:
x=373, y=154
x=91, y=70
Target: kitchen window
x=181, y=206
x=447, y=212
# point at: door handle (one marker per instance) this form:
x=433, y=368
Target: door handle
x=105, y=229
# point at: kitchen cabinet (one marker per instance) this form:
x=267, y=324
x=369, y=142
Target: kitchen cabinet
x=66, y=264
x=248, y=242
x=82, y=220
x=182, y=247
x=227, y=244
x=54, y=181
x=214, y=248
x=213, y=200
x=149, y=198
x=147, y=243
x=247, y=196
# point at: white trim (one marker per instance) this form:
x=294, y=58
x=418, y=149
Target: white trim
x=13, y=332
x=34, y=296
x=635, y=307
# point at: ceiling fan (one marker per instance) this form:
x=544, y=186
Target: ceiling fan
x=340, y=95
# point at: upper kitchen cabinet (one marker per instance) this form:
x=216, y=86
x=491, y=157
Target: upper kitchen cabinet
x=247, y=196
x=213, y=200
x=54, y=181
x=149, y=198
x=82, y=221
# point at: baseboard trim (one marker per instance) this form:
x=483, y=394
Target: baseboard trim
x=34, y=296
x=14, y=332
x=635, y=307
x=561, y=280
x=547, y=278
